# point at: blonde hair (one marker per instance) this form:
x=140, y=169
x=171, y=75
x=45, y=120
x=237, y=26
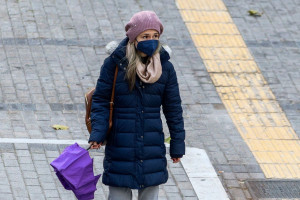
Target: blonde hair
x=133, y=57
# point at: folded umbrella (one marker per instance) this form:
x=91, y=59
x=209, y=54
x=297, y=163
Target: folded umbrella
x=86, y=192
x=74, y=169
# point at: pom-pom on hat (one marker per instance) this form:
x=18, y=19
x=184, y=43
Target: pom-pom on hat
x=141, y=22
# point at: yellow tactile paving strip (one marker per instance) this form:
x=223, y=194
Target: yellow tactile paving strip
x=242, y=87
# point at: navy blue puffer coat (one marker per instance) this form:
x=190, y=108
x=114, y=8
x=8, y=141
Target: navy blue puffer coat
x=135, y=154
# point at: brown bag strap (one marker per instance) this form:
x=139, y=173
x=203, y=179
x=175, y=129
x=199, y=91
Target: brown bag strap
x=111, y=106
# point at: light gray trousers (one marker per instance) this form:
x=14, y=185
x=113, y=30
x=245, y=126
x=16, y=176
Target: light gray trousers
x=122, y=193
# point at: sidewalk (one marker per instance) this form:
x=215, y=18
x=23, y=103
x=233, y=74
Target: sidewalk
x=51, y=53
x=26, y=173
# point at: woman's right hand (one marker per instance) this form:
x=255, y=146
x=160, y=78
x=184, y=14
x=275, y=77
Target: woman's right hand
x=95, y=145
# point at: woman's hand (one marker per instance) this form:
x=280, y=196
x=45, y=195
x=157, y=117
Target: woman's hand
x=176, y=160
x=95, y=145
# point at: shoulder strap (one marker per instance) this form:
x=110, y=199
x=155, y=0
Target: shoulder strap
x=111, y=103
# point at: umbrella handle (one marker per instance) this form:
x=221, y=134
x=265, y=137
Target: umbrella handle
x=89, y=147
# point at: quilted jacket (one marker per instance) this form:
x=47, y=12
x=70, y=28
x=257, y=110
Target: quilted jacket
x=135, y=153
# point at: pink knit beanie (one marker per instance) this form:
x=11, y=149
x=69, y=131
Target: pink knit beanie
x=142, y=21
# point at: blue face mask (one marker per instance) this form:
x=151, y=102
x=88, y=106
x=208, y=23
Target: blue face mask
x=148, y=46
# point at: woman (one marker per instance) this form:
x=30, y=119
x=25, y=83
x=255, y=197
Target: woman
x=135, y=151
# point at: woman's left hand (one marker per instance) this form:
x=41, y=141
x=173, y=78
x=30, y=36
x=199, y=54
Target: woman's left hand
x=176, y=160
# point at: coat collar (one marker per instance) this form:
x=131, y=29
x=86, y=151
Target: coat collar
x=118, y=51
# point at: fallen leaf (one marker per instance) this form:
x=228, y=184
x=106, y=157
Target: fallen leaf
x=167, y=140
x=254, y=13
x=60, y=127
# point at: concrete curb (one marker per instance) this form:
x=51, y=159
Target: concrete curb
x=202, y=175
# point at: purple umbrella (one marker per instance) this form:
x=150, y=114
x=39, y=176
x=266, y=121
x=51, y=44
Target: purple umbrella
x=74, y=169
